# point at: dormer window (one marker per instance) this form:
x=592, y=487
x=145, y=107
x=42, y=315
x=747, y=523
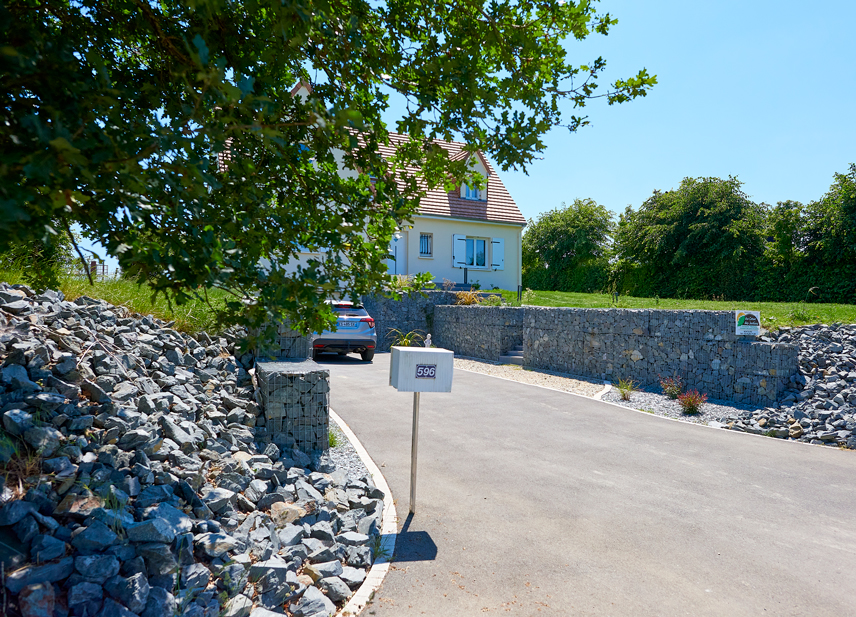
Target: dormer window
x=478, y=165
x=470, y=192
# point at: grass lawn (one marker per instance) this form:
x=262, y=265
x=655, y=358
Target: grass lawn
x=773, y=314
x=192, y=317
x=197, y=315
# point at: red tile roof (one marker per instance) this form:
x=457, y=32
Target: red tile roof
x=498, y=208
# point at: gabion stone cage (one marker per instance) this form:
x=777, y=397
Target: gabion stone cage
x=287, y=345
x=295, y=396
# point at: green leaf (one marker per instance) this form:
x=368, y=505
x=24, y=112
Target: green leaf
x=62, y=144
x=202, y=48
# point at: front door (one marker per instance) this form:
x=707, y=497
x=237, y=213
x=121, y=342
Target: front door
x=397, y=264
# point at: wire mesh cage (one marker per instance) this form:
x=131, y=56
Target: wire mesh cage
x=295, y=396
x=287, y=345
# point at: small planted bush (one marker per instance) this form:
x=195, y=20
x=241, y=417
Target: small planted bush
x=414, y=338
x=492, y=300
x=467, y=298
x=626, y=387
x=691, y=401
x=672, y=386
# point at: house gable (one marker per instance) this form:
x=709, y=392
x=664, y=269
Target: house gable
x=497, y=206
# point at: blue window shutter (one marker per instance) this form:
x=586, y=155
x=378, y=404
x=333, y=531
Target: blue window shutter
x=497, y=253
x=459, y=251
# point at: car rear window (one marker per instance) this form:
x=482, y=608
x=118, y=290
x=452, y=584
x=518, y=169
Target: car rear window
x=347, y=310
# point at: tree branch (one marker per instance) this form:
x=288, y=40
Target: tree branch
x=74, y=243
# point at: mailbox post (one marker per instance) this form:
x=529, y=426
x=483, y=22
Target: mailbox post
x=417, y=370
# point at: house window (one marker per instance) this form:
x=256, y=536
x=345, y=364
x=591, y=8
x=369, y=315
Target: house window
x=468, y=192
x=426, y=245
x=476, y=256
x=478, y=253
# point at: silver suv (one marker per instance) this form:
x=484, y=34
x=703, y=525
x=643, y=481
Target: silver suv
x=355, y=332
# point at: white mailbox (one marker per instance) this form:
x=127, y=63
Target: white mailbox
x=420, y=369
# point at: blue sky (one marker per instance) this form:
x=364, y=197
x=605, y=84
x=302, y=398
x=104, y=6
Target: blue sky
x=760, y=89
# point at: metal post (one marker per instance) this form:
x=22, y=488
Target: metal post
x=413, y=449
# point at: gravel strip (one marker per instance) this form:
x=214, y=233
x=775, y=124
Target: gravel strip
x=643, y=400
x=549, y=379
x=344, y=455
x=661, y=405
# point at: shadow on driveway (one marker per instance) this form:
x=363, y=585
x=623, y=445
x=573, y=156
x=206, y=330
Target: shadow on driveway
x=414, y=545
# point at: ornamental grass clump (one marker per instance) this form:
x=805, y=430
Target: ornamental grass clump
x=626, y=387
x=467, y=298
x=414, y=338
x=691, y=401
x=671, y=386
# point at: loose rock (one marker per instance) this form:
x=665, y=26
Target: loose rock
x=157, y=473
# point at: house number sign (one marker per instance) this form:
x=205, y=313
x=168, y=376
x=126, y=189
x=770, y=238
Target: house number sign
x=426, y=371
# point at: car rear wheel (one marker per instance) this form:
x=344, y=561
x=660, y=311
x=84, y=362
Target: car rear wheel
x=367, y=355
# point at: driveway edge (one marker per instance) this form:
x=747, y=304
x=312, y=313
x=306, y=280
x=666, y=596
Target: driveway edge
x=652, y=415
x=389, y=528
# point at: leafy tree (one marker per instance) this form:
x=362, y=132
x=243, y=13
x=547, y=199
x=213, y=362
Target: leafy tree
x=702, y=240
x=567, y=249
x=118, y=115
x=785, y=233
x=813, y=247
x=831, y=222
x=784, y=254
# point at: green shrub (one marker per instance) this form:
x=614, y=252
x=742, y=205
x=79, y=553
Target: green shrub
x=492, y=300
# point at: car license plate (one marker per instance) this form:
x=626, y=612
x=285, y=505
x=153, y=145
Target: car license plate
x=348, y=324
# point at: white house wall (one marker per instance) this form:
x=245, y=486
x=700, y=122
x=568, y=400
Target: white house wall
x=440, y=266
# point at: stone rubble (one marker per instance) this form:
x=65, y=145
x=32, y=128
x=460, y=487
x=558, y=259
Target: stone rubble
x=819, y=406
x=151, y=495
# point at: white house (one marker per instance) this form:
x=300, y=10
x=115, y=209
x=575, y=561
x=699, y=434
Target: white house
x=467, y=236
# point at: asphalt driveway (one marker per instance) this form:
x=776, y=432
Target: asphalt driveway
x=537, y=502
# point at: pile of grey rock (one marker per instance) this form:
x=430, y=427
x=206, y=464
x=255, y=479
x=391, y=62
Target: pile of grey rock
x=135, y=483
x=820, y=405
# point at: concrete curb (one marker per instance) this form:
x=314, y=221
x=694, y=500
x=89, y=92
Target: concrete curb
x=389, y=528
x=606, y=388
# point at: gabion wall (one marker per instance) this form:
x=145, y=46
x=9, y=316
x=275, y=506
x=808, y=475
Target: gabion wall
x=478, y=331
x=295, y=398
x=288, y=345
x=413, y=312
x=699, y=346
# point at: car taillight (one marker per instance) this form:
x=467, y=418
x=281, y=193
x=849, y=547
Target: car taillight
x=368, y=320
x=319, y=345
